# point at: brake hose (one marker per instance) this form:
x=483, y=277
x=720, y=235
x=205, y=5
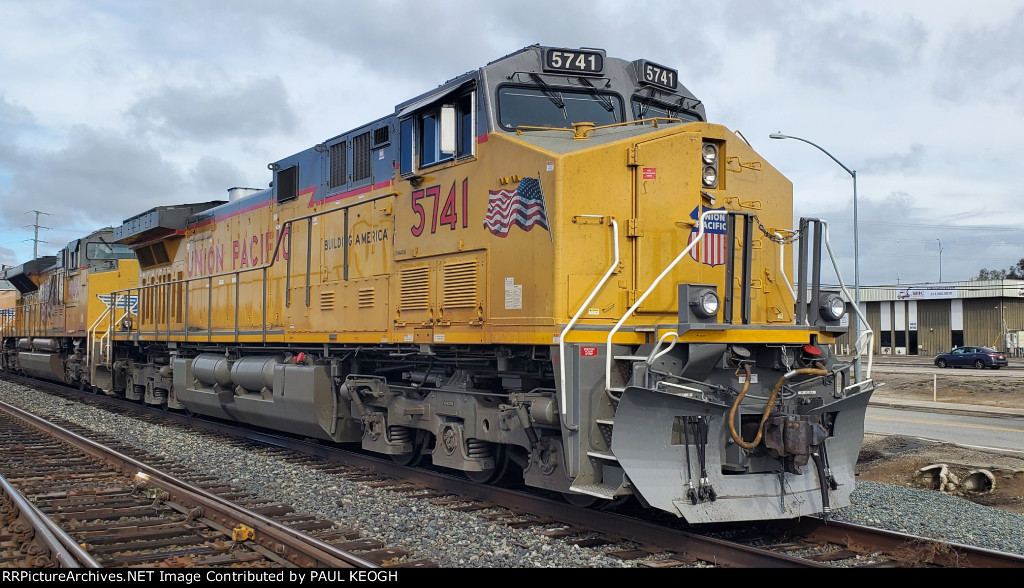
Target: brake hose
x=818, y=371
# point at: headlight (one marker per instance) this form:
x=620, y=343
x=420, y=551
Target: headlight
x=705, y=303
x=832, y=307
x=709, y=153
x=710, y=176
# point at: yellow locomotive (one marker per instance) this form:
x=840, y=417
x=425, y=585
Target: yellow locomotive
x=550, y=270
x=61, y=304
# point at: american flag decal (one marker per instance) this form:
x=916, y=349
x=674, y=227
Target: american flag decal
x=713, y=246
x=523, y=206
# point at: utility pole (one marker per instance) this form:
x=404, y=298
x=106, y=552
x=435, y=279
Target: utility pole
x=35, y=240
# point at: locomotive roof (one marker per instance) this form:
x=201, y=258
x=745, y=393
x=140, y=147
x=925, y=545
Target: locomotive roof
x=159, y=221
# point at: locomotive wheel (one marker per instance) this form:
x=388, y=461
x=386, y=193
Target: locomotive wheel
x=505, y=470
x=581, y=500
x=587, y=501
x=413, y=458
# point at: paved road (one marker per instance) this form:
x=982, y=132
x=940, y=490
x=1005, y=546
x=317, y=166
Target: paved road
x=1004, y=373
x=962, y=424
x=1000, y=432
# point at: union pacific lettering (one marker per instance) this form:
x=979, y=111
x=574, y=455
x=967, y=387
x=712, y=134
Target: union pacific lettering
x=254, y=250
x=206, y=260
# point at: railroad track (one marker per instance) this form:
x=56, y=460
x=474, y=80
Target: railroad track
x=125, y=513
x=636, y=537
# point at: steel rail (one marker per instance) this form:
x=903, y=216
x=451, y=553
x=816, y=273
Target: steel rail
x=269, y=533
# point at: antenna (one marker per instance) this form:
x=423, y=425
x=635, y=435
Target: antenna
x=35, y=240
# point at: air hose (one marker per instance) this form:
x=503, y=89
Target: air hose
x=817, y=371
x=824, y=478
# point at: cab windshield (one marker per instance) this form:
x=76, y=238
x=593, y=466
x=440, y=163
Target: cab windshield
x=648, y=108
x=556, y=107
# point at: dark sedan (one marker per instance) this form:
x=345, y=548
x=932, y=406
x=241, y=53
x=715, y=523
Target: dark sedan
x=979, y=357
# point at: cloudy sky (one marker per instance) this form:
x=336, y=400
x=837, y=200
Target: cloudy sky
x=108, y=108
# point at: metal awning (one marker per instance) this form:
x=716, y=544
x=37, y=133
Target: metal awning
x=429, y=99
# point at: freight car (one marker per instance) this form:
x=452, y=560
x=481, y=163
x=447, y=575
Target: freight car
x=551, y=270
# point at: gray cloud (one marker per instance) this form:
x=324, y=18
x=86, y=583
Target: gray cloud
x=13, y=115
x=826, y=49
x=100, y=177
x=216, y=111
x=983, y=63
x=213, y=176
x=895, y=162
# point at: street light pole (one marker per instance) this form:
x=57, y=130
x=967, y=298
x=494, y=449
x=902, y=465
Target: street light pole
x=940, y=259
x=856, y=239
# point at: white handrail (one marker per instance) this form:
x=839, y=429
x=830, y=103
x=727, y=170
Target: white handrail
x=91, y=331
x=629, y=312
x=868, y=333
x=593, y=293
x=655, y=354
x=110, y=342
x=782, y=266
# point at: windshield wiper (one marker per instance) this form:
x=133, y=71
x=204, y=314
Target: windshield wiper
x=546, y=89
x=604, y=100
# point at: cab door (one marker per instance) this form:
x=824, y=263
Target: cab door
x=666, y=194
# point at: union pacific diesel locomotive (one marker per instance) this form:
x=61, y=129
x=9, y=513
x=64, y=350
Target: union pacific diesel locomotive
x=552, y=270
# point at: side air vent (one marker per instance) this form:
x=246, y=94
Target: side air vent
x=459, y=281
x=381, y=137
x=415, y=286
x=327, y=300
x=366, y=297
x=339, y=151
x=361, y=169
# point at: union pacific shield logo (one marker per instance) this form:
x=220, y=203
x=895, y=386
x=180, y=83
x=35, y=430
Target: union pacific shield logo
x=713, y=246
x=130, y=303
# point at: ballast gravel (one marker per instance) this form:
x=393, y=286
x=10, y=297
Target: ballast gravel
x=456, y=539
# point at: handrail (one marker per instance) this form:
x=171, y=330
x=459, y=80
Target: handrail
x=582, y=130
x=92, y=329
x=655, y=354
x=629, y=312
x=868, y=333
x=568, y=327
x=286, y=228
x=782, y=265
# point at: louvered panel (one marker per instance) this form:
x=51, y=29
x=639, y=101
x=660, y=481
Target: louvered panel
x=366, y=297
x=415, y=288
x=459, y=281
x=327, y=300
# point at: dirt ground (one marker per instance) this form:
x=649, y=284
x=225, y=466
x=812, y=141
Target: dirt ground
x=898, y=460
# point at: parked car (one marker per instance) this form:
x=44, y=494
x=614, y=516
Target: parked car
x=979, y=357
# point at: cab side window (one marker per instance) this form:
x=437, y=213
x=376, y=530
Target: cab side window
x=438, y=133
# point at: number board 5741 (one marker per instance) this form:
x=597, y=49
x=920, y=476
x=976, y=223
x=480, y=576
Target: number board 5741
x=578, y=61
x=652, y=74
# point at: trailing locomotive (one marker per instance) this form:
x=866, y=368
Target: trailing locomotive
x=61, y=303
x=550, y=270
